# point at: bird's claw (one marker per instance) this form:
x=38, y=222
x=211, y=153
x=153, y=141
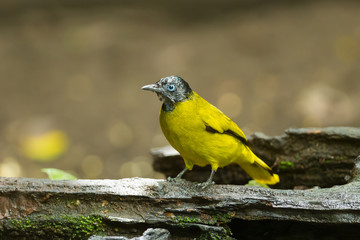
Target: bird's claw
x=204, y=185
x=173, y=180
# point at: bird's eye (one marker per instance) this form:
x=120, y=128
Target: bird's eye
x=171, y=87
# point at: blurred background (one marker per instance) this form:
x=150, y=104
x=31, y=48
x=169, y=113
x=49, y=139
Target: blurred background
x=71, y=73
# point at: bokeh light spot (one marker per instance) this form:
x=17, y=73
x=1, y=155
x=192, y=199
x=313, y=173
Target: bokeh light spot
x=45, y=147
x=120, y=134
x=10, y=167
x=321, y=104
x=230, y=104
x=92, y=166
x=139, y=167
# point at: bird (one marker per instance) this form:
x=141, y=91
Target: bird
x=202, y=134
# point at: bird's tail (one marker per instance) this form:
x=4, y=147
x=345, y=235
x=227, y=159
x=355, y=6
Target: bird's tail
x=259, y=170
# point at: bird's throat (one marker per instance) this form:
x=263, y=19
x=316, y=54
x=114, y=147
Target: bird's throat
x=168, y=106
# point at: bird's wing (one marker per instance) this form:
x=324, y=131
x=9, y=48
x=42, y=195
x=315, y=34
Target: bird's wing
x=216, y=121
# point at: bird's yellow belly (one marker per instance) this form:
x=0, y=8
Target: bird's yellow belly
x=187, y=134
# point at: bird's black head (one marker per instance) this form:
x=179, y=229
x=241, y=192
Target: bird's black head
x=170, y=90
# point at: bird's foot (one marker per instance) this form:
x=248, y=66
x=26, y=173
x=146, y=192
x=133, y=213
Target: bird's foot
x=174, y=180
x=178, y=177
x=204, y=185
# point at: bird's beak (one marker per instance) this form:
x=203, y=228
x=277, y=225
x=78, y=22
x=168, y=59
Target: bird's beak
x=151, y=87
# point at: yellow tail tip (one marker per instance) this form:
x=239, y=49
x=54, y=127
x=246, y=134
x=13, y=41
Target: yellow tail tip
x=269, y=181
x=276, y=179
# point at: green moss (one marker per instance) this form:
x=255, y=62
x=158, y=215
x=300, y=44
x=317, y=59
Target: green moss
x=219, y=220
x=73, y=203
x=78, y=227
x=285, y=165
x=223, y=218
x=341, y=158
x=214, y=236
x=205, y=219
x=254, y=183
x=25, y=225
x=183, y=220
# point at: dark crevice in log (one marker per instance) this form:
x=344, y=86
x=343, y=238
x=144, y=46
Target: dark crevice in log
x=278, y=230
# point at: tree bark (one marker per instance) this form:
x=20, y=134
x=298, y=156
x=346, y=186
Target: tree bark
x=35, y=208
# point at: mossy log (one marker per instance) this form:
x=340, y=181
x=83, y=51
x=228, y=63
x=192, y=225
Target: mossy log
x=303, y=158
x=78, y=209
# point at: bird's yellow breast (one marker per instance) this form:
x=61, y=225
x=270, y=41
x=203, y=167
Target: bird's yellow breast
x=185, y=129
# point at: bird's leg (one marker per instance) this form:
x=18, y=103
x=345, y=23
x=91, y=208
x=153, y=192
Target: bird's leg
x=209, y=181
x=178, y=177
x=181, y=173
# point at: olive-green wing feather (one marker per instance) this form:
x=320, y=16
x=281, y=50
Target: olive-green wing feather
x=216, y=121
